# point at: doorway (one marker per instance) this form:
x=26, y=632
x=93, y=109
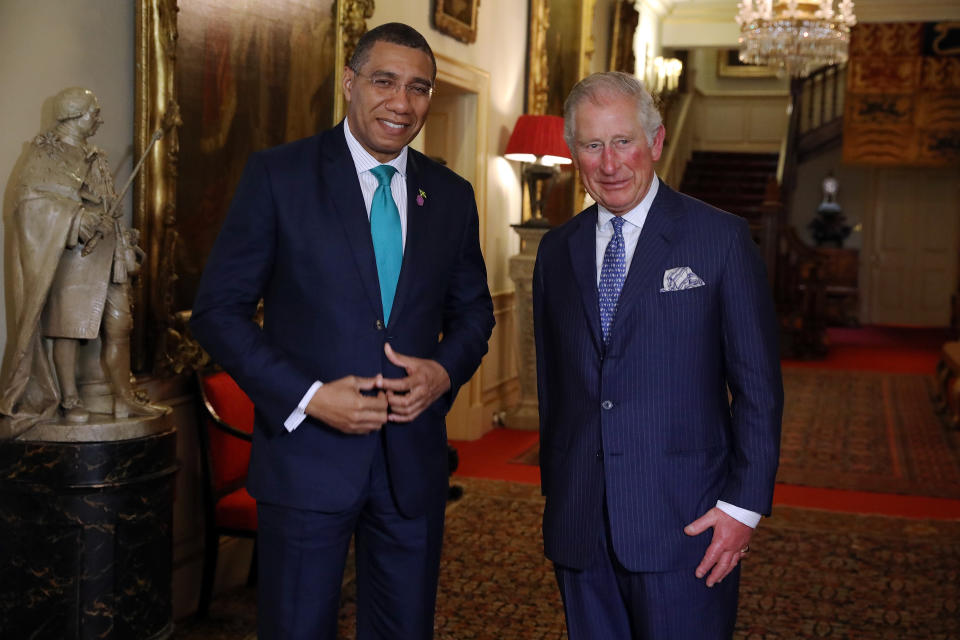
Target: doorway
x=913, y=247
x=455, y=133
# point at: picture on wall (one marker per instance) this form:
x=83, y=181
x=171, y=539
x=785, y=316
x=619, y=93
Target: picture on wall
x=729, y=66
x=250, y=75
x=457, y=19
x=223, y=78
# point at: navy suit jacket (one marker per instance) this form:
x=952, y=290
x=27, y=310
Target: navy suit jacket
x=298, y=235
x=645, y=424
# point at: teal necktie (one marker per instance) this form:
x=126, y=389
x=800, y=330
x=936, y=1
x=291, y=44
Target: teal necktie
x=387, y=236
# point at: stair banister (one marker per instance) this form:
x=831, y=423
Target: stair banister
x=679, y=146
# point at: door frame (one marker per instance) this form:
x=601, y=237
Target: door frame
x=469, y=418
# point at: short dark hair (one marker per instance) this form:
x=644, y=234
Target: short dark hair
x=394, y=33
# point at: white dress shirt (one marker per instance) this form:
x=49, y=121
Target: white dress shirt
x=633, y=225
x=363, y=162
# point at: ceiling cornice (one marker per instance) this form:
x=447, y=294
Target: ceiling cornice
x=702, y=11
x=713, y=11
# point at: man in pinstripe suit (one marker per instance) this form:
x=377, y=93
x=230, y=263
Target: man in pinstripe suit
x=649, y=307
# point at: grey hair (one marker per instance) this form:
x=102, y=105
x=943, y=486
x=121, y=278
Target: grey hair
x=598, y=88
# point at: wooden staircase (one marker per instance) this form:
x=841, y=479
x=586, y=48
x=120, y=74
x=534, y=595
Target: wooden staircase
x=746, y=184
x=734, y=182
x=816, y=121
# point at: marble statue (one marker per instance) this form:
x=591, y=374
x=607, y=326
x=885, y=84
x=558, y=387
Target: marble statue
x=72, y=262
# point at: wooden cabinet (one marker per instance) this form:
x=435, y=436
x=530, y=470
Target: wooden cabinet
x=840, y=273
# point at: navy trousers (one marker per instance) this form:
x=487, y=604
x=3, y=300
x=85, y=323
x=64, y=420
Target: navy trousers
x=301, y=563
x=608, y=602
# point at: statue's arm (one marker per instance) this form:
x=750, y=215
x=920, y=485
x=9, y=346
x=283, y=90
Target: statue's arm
x=83, y=226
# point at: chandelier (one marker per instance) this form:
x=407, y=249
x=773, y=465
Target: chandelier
x=796, y=36
x=663, y=75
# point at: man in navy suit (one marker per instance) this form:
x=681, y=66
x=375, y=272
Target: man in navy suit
x=649, y=307
x=376, y=310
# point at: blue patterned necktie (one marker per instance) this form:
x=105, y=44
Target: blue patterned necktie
x=387, y=236
x=612, y=273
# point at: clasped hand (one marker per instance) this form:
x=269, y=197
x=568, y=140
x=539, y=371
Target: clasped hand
x=348, y=405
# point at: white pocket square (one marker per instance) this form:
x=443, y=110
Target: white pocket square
x=679, y=279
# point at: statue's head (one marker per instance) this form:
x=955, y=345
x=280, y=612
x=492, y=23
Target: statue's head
x=80, y=105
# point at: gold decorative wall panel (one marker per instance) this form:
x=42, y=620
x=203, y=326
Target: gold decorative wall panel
x=561, y=49
x=903, y=95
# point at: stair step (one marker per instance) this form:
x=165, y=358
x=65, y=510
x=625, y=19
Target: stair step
x=729, y=169
x=730, y=180
x=728, y=205
x=752, y=211
x=747, y=173
x=733, y=165
x=724, y=185
x=735, y=155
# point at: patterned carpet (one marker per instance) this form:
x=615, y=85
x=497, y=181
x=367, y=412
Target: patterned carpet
x=866, y=431
x=812, y=574
x=861, y=431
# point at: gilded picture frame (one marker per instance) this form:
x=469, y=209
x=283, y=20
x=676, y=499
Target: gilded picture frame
x=624, y=23
x=729, y=66
x=197, y=68
x=457, y=19
x=553, y=67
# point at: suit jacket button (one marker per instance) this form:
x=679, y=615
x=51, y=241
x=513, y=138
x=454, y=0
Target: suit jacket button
x=606, y=405
x=379, y=324
x=599, y=454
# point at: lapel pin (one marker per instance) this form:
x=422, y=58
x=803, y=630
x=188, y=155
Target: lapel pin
x=421, y=197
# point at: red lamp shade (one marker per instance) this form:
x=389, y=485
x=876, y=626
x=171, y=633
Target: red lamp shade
x=538, y=139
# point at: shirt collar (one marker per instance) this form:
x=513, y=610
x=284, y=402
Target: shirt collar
x=362, y=159
x=636, y=216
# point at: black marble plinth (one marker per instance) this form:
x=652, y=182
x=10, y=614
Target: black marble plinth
x=86, y=538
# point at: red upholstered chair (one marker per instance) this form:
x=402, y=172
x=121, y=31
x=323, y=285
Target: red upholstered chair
x=225, y=427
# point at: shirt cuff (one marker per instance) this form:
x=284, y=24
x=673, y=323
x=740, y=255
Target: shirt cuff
x=294, y=419
x=749, y=518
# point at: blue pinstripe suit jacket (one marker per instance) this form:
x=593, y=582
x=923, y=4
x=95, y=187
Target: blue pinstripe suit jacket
x=646, y=425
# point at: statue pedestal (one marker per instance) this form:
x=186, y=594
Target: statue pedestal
x=527, y=414
x=86, y=531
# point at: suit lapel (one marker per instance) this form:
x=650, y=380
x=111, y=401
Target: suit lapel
x=582, y=245
x=417, y=231
x=646, y=269
x=343, y=191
